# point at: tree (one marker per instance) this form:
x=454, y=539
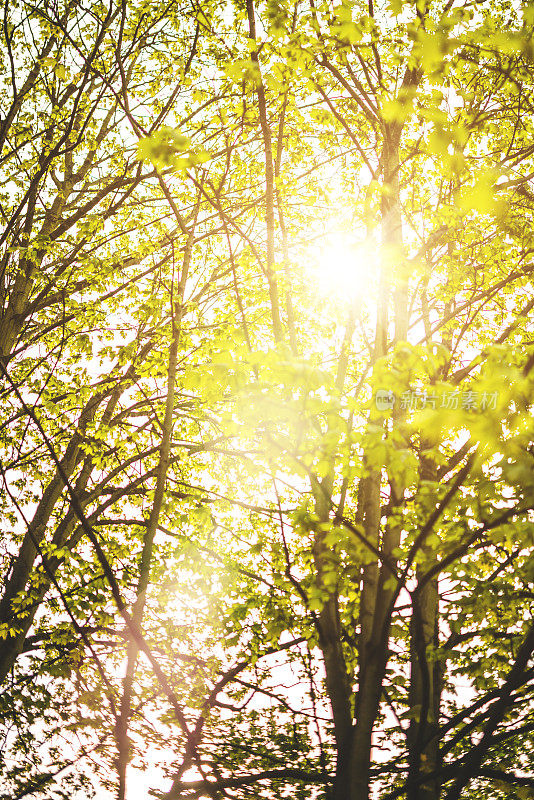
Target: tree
x=72, y=354
x=354, y=579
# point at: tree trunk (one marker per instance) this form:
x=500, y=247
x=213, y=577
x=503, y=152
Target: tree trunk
x=377, y=590
x=425, y=674
x=121, y=732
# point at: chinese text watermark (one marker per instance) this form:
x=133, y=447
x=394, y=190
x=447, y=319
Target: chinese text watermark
x=419, y=399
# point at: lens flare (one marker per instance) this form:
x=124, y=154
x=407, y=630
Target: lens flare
x=343, y=266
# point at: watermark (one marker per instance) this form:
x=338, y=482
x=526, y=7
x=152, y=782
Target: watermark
x=384, y=400
x=419, y=399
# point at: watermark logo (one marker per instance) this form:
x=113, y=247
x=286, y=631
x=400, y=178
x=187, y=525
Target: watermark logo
x=385, y=400
x=419, y=399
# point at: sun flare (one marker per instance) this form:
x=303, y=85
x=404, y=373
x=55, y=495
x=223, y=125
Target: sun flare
x=344, y=266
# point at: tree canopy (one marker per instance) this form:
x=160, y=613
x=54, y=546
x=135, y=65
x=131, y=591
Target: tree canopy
x=266, y=368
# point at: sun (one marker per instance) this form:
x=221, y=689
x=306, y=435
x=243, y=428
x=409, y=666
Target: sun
x=344, y=266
